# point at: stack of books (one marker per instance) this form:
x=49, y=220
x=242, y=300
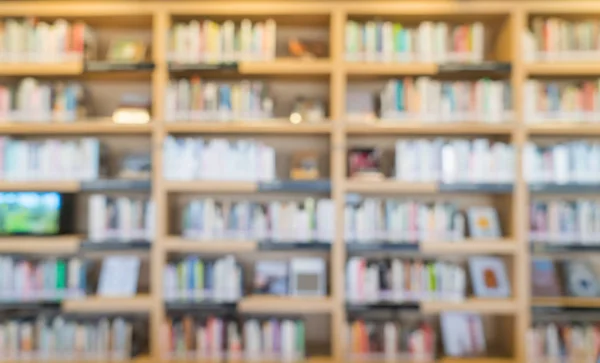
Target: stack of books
x=207, y=41
x=59, y=338
x=31, y=40
x=575, y=221
x=390, y=341
x=562, y=101
x=41, y=280
x=204, y=101
x=34, y=101
x=397, y=281
x=212, y=337
x=196, y=279
x=49, y=159
x=187, y=158
x=561, y=163
x=564, y=342
x=122, y=219
x=403, y=221
x=210, y=220
x=429, y=100
x=553, y=39
x=454, y=161
x=377, y=41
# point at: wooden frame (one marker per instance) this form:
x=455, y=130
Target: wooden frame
x=338, y=72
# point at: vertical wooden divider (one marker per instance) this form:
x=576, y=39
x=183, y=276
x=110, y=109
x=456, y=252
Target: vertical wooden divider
x=520, y=205
x=160, y=77
x=338, y=175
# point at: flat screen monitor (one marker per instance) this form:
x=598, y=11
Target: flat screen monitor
x=30, y=213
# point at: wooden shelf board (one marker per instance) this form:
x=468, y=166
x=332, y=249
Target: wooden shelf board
x=383, y=69
x=282, y=126
x=139, y=303
x=420, y=128
x=284, y=304
x=41, y=69
x=180, y=244
x=563, y=69
x=475, y=305
x=564, y=128
x=471, y=247
x=210, y=186
x=389, y=186
x=41, y=245
x=91, y=127
x=475, y=360
x=40, y=186
x=566, y=301
x=291, y=66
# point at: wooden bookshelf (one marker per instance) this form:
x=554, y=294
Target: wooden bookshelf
x=338, y=73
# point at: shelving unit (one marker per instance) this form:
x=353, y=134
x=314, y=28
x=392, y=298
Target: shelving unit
x=337, y=72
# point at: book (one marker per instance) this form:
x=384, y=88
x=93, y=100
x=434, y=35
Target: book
x=199, y=279
x=562, y=162
x=50, y=159
x=119, y=276
x=544, y=280
x=29, y=40
x=580, y=279
x=210, y=219
x=424, y=99
x=121, y=219
x=397, y=340
x=568, y=341
x=200, y=159
x=403, y=221
x=271, y=277
x=214, y=336
x=55, y=336
x=208, y=41
x=197, y=100
x=427, y=42
x=403, y=280
x=554, y=39
x=462, y=334
x=41, y=280
x=454, y=161
x=489, y=278
x=565, y=222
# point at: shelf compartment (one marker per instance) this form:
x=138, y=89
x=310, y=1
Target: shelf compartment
x=137, y=304
x=474, y=305
x=566, y=301
x=40, y=186
x=282, y=126
x=428, y=128
x=284, y=304
x=40, y=245
x=41, y=69
x=180, y=244
x=83, y=127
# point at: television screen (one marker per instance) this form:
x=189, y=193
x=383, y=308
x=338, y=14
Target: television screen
x=30, y=212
